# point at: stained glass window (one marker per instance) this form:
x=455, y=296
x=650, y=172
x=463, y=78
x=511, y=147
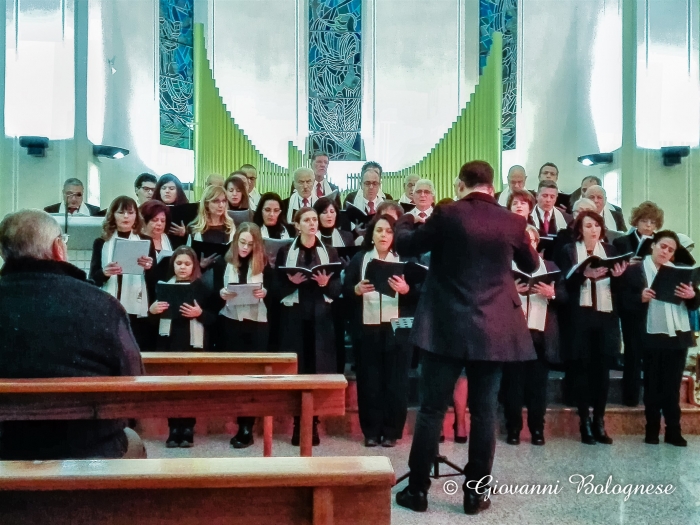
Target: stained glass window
x=335, y=78
x=176, y=69
x=502, y=15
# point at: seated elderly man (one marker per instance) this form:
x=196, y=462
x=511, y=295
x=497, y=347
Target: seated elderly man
x=74, y=200
x=614, y=220
x=43, y=335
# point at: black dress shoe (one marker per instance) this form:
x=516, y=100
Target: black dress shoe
x=243, y=438
x=537, y=438
x=674, y=438
x=174, y=438
x=458, y=438
x=599, y=433
x=651, y=439
x=586, y=432
x=513, y=437
x=187, y=437
x=371, y=442
x=475, y=503
x=388, y=443
x=416, y=501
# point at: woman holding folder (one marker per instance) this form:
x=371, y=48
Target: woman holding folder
x=592, y=325
x=183, y=327
x=132, y=289
x=213, y=225
x=244, y=321
x=156, y=216
x=664, y=334
x=170, y=192
x=269, y=217
x=306, y=318
x=525, y=383
x=382, y=366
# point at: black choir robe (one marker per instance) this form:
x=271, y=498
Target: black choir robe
x=291, y=321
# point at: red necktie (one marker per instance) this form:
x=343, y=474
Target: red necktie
x=370, y=205
x=422, y=215
x=319, y=190
x=545, y=225
x=305, y=203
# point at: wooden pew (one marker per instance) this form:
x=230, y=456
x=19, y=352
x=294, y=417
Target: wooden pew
x=222, y=363
x=193, y=491
x=217, y=363
x=182, y=396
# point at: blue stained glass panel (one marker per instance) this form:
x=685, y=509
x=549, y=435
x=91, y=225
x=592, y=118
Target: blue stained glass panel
x=502, y=15
x=335, y=77
x=176, y=73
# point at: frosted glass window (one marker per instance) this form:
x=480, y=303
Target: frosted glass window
x=668, y=87
x=611, y=185
x=39, y=69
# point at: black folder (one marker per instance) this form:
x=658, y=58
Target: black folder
x=669, y=277
x=644, y=248
x=546, y=243
x=334, y=268
x=378, y=273
x=597, y=262
x=184, y=213
x=545, y=278
x=205, y=249
x=175, y=294
x=356, y=215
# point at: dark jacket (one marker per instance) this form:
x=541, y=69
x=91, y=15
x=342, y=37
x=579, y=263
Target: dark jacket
x=350, y=197
x=94, y=210
x=55, y=324
x=627, y=243
x=469, y=308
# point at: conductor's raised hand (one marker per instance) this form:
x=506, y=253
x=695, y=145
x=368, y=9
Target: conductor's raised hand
x=111, y=269
x=322, y=278
x=399, y=284
x=191, y=311
x=363, y=287
x=297, y=278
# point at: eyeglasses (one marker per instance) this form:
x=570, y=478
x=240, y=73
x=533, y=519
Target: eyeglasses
x=244, y=244
x=147, y=189
x=70, y=194
x=370, y=184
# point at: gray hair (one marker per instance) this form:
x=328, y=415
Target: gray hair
x=405, y=179
x=28, y=233
x=73, y=182
x=597, y=188
x=302, y=171
x=426, y=182
x=583, y=200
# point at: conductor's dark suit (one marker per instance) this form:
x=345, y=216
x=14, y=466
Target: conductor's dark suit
x=468, y=316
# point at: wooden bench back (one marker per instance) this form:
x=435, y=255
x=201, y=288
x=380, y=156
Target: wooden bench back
x=216, y=363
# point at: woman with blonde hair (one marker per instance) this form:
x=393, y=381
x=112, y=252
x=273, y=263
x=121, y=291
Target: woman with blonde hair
x=213, y=224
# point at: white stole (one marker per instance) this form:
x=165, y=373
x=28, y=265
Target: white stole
x=558, y=218
x=266, y=234
x=296, y=202
x=327, y=190
x=254, y=199
x=503, y=198
x=361, y=203
x=336, y=239
x=535, y=305
x=378, y=308
x=196, y=328
x=166, y=249
x=252, y=312
x=664, y=318
x=134, y=295
x=405, y=200
x=609, y=219
x=292, y=260
x=82, y=211
x=602, y=286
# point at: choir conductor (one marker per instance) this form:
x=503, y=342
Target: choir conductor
x=469, y=317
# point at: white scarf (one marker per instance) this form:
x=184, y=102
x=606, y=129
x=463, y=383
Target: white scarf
x=296, y=202
x=166, y=249
x=609, y=219
x=252, y=312
x=405, y=200
x=253, y=199
x=196, y=328
x=535, y=305
x=266, y=234
x=336, y=239
x=378, y=308
x=361, y=203
x=83, y=210
x=558, y=218
x=503, y=199
x=602, y=286
x=416, y=212
x=134, y=296
x=292, y=260
x=664, y=318
x=325, y=186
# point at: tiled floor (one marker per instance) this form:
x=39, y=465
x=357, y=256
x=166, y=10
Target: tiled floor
x=628, y=460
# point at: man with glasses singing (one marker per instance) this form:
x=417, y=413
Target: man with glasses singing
x=371, y=195
x=73, y=201
x=144, y=186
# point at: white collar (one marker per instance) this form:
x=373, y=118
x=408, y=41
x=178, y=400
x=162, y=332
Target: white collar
x=405, y=200
x=416, y=212
x=664, y=318
x=83, y=210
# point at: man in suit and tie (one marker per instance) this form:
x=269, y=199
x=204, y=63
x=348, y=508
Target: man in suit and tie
x=74, y=200
x=370, y=194
x=424, y=198
x=469, y=317
x=546, y=217
x=303, y=196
